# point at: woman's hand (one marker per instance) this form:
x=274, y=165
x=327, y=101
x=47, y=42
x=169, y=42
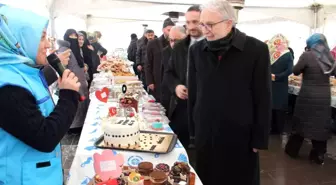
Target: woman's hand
x=69, y=81
x=64, y=57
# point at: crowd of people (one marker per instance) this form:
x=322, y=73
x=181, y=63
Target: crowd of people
x=214, y=107
x=224, y=92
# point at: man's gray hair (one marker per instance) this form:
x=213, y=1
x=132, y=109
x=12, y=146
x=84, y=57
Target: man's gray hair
x=224, y=8
x=179, y=28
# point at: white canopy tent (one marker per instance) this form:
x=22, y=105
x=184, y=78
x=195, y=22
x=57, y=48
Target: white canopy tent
x=117, y=19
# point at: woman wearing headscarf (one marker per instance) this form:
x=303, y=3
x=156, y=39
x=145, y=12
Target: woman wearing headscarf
x=98, y=52
x=75, y=63
x=312, y=113
x=281, y=68
x=87, y=50
x=31, y=126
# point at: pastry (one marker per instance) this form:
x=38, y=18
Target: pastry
x=145, y=169
x=135, y=179
x=157, y=126
x=179, y=172
x=163, y=168
x=158, y=178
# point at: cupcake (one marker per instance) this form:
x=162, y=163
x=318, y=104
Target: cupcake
x=158, y=178
x=135, y=179
x=163, y=168
x=145, y=169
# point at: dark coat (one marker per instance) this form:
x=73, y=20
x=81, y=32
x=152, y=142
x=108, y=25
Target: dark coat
x=176, y=72
x=165, y=92
x=83, y=90
x=131, y=50
x=95, y=57
x=153, y=65
x=312, y=113
x=230, y=103
x=282, y=68
x=141, y=58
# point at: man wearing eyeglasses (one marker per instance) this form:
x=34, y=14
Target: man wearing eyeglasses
x=176, y=76
x=229, y=98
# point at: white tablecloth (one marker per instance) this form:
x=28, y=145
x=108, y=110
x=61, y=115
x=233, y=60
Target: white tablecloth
x=296, y=90
x=82, y=169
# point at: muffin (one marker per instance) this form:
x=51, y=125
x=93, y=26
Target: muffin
x=158, y=178
x=163, y=168
x=145, y=169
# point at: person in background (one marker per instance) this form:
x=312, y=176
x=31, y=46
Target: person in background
x=291, y=51
x=176, y=77
x=231, y=111
x=131, y=51
x=31, y=126
x=81, y=41
x=141, y=55
x=98, y=35
x=312, y=114
x=87, y=50
x=281, y=68
x=71, y=42
x=98, y=52
x=176, y=34
x=333, y=53
x=154, y=56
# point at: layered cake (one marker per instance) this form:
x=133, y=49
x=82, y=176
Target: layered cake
x=121, y=132
x=129, y=100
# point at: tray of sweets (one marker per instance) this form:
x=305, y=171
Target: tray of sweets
x=148, y=174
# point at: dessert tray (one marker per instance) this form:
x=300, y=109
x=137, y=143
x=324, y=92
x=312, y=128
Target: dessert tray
x=148, y=174
x=150, y=142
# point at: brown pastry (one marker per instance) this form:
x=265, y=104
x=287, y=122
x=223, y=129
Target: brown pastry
x=145, y=169
x=158, y=178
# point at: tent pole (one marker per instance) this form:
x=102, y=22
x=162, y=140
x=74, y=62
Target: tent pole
x=316, y=8
x=52, y=19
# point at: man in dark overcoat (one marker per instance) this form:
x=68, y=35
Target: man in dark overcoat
x=229, y=93
x=154, y=58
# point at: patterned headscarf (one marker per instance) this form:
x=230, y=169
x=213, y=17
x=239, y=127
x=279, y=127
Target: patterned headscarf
x=318, y=44
x=278, y=46
x=20, y=35
x=333, y=53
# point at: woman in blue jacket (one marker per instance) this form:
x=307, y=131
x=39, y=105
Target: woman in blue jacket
x=31, y=127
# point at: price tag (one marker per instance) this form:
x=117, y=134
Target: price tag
x=107, y=166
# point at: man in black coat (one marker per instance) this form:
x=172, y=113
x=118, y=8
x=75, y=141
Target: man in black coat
x=176, y=34
x=141, y=55
x=154, y=56
x=176, y=78
x=131, y=51
x=229, y=93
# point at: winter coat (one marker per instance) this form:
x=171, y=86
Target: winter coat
x=312, y=113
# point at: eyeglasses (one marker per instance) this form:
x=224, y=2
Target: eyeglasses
x=209, y=26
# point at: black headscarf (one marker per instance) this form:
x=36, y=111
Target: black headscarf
x=87, y=53
x=74, y=46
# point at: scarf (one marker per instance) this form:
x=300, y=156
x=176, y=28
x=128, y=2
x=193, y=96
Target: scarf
x=278, y=46
x=318, y=44
x=20, y=35
x=74, y=46
x=221, y=46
